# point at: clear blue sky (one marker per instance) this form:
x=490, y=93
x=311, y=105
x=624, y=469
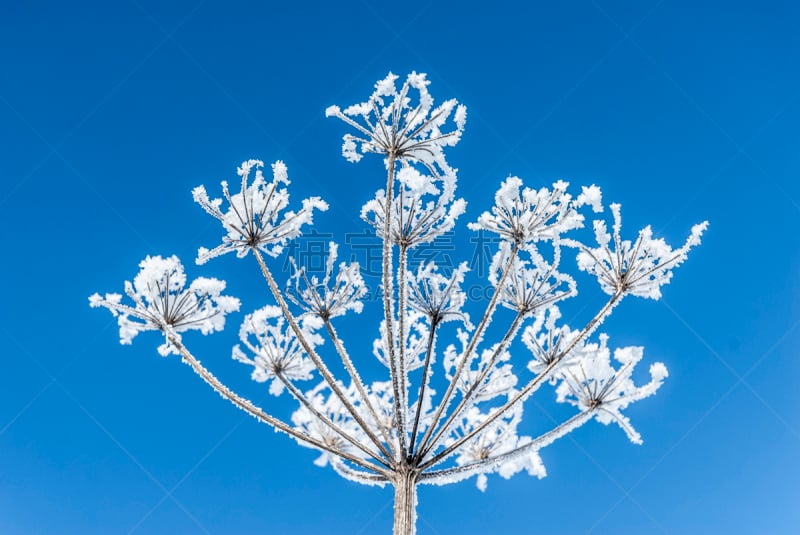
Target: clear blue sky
x=110, y=112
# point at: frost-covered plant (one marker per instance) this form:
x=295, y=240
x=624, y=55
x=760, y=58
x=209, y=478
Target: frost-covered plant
x=414, y=426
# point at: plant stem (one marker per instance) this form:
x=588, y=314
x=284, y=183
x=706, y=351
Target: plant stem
x=476, y=336
x=532, y=386
x=405, y=502
x=388, y=305
x=348, y=364
x=423, y=382
x=259, y=413
x=312, y=354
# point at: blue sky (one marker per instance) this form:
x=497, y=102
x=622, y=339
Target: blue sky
x=111, y=112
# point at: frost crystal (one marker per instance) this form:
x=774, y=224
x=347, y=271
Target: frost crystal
x=548, y=343
x=532, y=284
x=525, y=215
x=417, y=331
x=163, y=303
x=323, y=403
x=440, y=298
x=253, y=215
x=423, y=210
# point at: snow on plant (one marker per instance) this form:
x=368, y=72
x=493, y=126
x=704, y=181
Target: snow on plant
x=450, y=404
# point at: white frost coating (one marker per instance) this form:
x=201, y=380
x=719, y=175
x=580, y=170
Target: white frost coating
x=440, y=298
x=494, y=368
x=423, y=209
x=594, y=383
x=525, y=215
x=393, y=124
x=253, y=218
x=488, y=451
x=640, y=267
x=525, y=455
x=547, y=342
x=417, y=331
x=275, y=349
x=353, y=474
x=162, y=301
x=533, y=283
x=329, y=405
x=322, y=299
x=591, y=196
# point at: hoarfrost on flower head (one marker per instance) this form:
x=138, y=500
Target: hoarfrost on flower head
x=162, y=302
x=394, y=124
x=499, y=441
x=416, y=338
x=423, y=209
x=593, y=383
x=547, y=342
x=253, y=218
x=525, y=215
x=439, y=297
x=637, y=268
x=329, y=405
x=532, y=283
x=319, y=297
x=276, y=351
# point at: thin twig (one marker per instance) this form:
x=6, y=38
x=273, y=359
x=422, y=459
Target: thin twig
x=470, y=347
x=259, y=413
x=531, y=386
x=315, y=358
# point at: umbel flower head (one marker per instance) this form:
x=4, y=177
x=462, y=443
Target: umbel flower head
x=533, y=283
x=424, y=209
x=163, y=303
x=526, y=215
x=439, y=297
x=319, y=297
x=392, y=124
x=253, y=218
x=277, y=353
x=594, y=384
x=638, y=268
x=495, y=441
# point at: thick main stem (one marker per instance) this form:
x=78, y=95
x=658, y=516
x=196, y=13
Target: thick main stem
x=405, y=502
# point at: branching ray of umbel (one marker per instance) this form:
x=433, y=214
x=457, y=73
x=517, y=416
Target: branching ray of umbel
x=454, y=396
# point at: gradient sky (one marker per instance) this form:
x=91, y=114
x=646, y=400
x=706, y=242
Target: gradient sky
x=110, y=112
